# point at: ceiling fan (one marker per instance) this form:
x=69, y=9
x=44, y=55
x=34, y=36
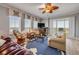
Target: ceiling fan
x=48, y=8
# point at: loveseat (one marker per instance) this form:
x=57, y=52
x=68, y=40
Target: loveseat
x=10, y=47
x=59, y=43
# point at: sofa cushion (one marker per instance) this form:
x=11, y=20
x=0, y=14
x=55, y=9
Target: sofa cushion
x=59, y=40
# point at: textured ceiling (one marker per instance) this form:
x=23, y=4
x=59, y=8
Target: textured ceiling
x=65, y=9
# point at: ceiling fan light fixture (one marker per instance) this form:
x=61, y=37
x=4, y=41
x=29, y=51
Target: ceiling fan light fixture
x=48, y=8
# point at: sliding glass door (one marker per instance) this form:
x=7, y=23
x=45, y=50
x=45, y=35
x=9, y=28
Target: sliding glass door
x=60, y=27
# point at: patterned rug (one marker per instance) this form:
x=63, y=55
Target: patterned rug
x=41, y=45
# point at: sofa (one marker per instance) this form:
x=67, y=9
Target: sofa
x=9, y=47
x=58, y=42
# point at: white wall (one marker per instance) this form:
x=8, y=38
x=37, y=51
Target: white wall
x=77, y=25
x=51, y=27
x=4, y=20
x=72, y=26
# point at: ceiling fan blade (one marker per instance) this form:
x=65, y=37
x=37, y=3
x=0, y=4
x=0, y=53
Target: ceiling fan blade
x=43, y=12
x=41, y=8
x=55, y=7
x=48, y=8
x=48, y=4
x=50, y=11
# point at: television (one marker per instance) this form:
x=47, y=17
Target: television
x=41, y=25
x=61, y=29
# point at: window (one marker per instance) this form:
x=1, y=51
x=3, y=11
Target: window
x=27, y=24
x=67, y=27
x=54, y=23
x=54, y=27
x=35, y=24
x=60, y=27
x=66, y=24
x=60, y=24
x=14, y=22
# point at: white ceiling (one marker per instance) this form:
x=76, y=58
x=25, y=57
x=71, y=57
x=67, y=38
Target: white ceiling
x=65, y=9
